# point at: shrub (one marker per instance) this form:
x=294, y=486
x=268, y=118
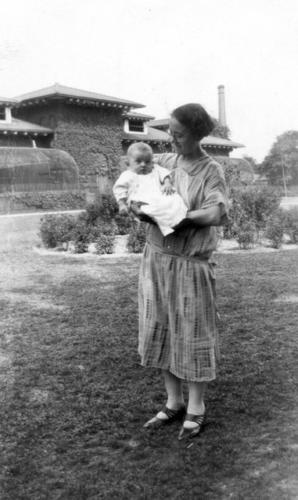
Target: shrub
x=106, y=210
x=267, y=202
x=104, y=243
x=86, y=228
x=98, y=224
x=237, y=172
x=251, y=204
x=275, y=229
x=93, y=212
x=245, y=234
x=100, y=233
x=236, y=217
x=124, y=223
x=137, y=237
x=108, y=207
x=99, y=228
x=80, y=234
x=56, y=229
x=291, y=224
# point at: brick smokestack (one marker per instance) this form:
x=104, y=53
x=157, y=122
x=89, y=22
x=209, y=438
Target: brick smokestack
x=221, y=106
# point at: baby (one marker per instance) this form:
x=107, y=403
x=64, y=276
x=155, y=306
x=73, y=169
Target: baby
x=150, y=186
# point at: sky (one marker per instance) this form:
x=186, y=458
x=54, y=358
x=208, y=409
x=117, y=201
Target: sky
x=163, y=53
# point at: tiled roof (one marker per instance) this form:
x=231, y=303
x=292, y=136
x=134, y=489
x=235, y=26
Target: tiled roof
x=7, y=101
x=23, y=127
x=58, y=91
x=157, y=135
x=152, y=135
x=141, y=116
x=163, y=123
x=211, y=140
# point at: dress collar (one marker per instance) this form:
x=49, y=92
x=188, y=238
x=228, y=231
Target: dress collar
x=192, y=167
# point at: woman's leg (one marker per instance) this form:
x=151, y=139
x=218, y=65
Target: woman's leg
x=175, y=403
x=174, y=390
x=197, y=391
x=196, y=405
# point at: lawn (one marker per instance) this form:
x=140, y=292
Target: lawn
x=74, y=397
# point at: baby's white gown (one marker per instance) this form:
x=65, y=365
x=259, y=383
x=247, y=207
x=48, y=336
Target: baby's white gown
x=166, y=210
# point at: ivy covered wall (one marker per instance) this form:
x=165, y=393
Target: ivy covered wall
x=91, y=135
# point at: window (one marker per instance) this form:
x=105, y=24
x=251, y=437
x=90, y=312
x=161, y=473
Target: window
x=136, y=126
x=2, y=113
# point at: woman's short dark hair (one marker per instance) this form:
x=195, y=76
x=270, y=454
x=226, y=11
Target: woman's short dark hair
x=195, y=118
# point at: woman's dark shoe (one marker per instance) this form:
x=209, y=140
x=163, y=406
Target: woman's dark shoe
x=170, y=416
x=186, y=433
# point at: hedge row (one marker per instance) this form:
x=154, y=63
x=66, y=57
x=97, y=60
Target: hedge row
x=254, y=215
x=47, y=200
x=99, y=224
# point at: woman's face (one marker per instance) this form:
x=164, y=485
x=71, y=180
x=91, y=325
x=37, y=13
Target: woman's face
x=185, y=143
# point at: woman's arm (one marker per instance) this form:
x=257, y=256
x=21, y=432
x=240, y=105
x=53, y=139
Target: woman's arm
x=202, y=217
x=137, y=211
x=205, y=216
x=213, y=211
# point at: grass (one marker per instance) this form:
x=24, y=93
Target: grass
x=74, y=397
x=292, y=190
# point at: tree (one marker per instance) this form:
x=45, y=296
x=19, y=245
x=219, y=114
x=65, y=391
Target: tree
x=238, y=172
x=252, y=161
x=220, y=130
x=281, y=164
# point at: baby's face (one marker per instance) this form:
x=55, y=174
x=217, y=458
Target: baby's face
x=140, y=162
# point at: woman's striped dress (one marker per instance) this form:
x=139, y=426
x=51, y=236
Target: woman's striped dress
x=177, y=309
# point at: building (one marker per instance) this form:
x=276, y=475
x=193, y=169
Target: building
x=86, y=124
x=19, y=133
x=32, y=174
x=140, y=127
x=95, y=129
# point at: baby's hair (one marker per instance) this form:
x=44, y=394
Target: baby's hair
x=195, y=118
x=142, y=147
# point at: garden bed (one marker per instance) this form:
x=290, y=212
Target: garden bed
x=119, y=251
x=255, y=222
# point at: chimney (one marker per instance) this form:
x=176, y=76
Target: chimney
x=221, y=106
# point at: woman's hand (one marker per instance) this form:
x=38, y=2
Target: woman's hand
x=136, y=209
x=182, y=224
x=122, y=207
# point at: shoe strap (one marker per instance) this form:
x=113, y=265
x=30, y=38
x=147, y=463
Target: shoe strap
x=171, y=413
x=198, y=419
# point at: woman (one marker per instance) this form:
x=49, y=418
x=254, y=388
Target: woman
x=177, y=313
